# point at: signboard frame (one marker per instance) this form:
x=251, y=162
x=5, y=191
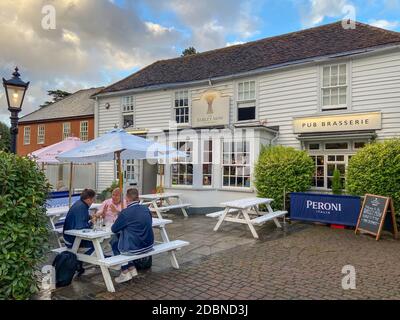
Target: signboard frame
x=388, y=203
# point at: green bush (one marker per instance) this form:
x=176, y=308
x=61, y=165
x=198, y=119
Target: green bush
x=282, y=169
x=106, y=193
x=375, y=169
x=23, y=225
x=336, y=182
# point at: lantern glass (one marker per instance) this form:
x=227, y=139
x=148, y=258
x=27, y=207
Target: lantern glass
x=15, y=95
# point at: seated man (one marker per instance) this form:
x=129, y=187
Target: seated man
x=134, y=233
x=78, y=218
x=110, y=208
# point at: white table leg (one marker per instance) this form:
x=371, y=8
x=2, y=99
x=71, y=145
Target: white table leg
x=157, y=209
x=76, y=244
x=172, y=256
x=251, y=227
x=221, y=218
x=270, y=210
x=104, y=270
x=183, y=209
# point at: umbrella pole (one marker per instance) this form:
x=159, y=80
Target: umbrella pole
x=120, y=178
x=70, y=184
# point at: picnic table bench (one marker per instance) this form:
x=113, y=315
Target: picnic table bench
x=153, y=199
x=98, y=258
x=239, y=211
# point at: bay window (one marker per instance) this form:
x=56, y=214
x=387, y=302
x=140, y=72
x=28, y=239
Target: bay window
x=207, y=162
x=182, y=168
x=236, y=164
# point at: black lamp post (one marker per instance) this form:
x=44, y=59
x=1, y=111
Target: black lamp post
x=15, y=93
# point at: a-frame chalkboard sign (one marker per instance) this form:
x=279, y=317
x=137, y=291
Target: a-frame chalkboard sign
x=374, y=218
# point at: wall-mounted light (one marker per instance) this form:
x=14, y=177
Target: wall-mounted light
x=107, y=106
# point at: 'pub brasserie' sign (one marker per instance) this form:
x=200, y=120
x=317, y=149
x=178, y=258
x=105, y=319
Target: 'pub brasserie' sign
x=343, y=122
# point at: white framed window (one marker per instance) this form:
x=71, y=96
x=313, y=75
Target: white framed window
x=236, y=164
x=66, y=130
x=325, y=165
x=207, y=162
x=182, y=168
x=27, y=135
x=128, y=110
x=84, y=130
x=334, y=86
x=40, y=134
x=181, y=106
x=246, y=100
x=246, y=90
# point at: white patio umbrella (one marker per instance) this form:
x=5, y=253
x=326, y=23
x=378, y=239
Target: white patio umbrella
x=118, y=145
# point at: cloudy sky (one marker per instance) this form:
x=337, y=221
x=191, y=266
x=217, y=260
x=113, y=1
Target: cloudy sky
x=96, y=42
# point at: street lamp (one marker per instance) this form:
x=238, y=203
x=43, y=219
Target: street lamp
x=15, y=93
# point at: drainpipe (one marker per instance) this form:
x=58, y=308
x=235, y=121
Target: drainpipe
x=274, y=139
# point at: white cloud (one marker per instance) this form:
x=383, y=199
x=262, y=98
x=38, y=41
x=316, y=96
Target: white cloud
x=94, y=41
x=157, y=29
x=210, y=21
x=314, y=12
x=233, y=43
x=384, y=24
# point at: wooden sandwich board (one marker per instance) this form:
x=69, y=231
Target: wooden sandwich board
x=373, y=216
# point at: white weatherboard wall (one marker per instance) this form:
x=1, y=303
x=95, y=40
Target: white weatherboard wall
x=287, y=94
x=107, y=119
x=376, y=87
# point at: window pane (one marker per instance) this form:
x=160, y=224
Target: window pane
x=313, y=146
x=334, y=75
x=358, y=145
x=337, y=145
x=248, y=113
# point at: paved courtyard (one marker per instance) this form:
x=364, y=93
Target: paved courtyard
x=304, y=261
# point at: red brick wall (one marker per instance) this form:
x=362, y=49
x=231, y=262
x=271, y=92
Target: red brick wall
x=53, y=133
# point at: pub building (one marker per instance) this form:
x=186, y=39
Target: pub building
x=328, y=90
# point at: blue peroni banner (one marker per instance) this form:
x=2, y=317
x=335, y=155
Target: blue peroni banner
x=325, y=208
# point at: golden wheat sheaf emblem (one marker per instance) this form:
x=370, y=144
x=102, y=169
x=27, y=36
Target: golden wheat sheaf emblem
x=210, y=97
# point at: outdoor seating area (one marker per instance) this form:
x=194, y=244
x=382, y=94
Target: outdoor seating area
x=199, y=150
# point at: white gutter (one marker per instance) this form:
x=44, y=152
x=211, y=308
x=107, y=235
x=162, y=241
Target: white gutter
x=281, y=66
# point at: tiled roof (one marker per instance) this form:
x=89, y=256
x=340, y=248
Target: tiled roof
x=315, y=42
x=77, y=104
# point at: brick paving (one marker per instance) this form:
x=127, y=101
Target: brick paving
x=302, y=262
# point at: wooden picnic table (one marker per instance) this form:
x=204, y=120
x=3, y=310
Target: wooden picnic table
x=247, y=211
x=154, y=199
x=98, y=258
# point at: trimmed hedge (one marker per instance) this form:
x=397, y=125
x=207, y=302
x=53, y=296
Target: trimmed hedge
x=23, y=225
x=282, y=169
x=375, y=169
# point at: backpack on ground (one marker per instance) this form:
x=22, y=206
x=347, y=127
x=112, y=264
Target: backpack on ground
x=66, y=265
x=143, y=263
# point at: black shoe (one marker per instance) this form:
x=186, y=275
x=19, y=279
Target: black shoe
x=80, y=272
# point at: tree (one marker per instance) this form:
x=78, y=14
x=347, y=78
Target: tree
x=189, y=51
x=5, y=137
x=57, y=95
x=336, y=182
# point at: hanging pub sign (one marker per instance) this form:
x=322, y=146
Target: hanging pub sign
x=211, y=109
x=373, y=216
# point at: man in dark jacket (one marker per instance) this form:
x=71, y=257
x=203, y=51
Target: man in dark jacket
x=78, y=218
x=134, y=233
